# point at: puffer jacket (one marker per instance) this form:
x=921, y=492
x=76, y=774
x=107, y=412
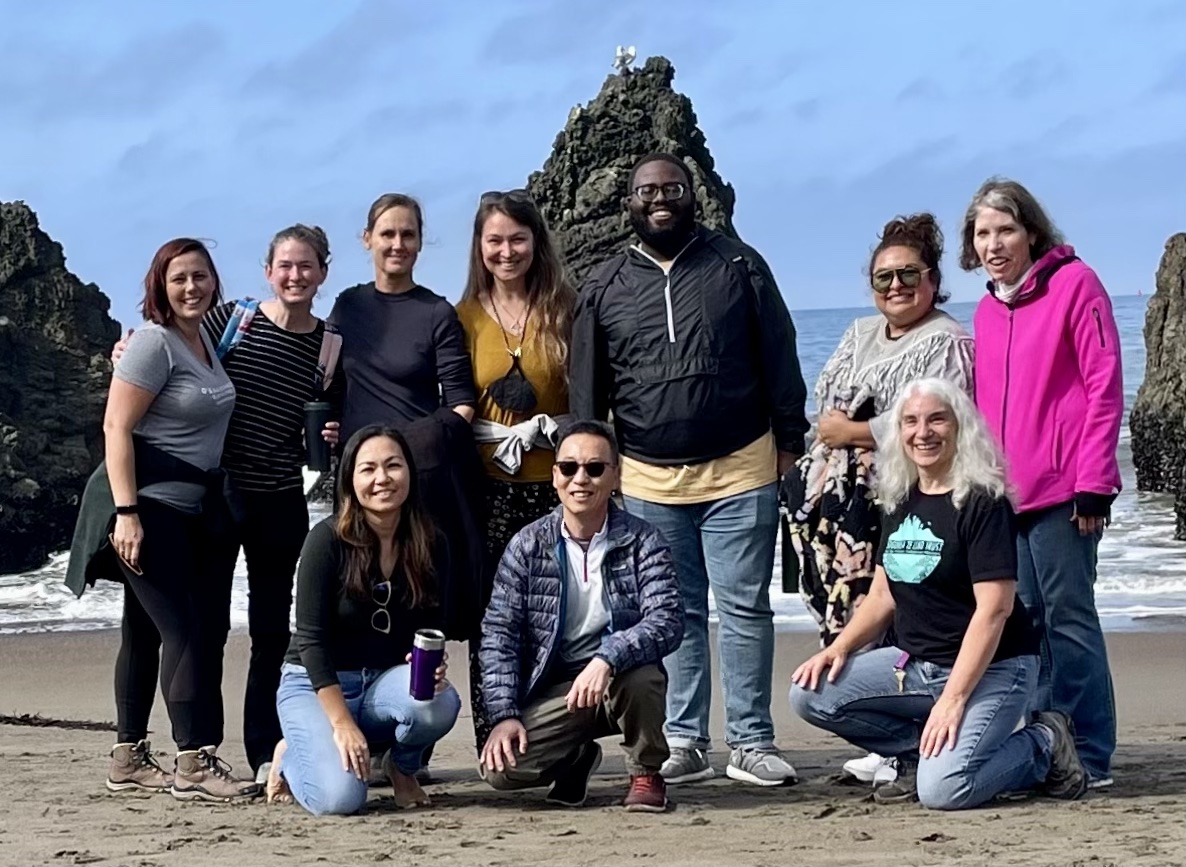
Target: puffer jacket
x=523, y=626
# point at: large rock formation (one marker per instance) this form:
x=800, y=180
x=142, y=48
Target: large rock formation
x=582, y=185
x=1158, y=420
x=55, y=338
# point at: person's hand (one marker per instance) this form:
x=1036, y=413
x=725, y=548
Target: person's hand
x=833, y=428
x=589, y=688
x=126, y=539
x=1089, y=526
x=499, y=752
x=786, y=460
x=830, y=658
x=120, y=347
x=942, y=726
x=353, y=749
x=442, y=669
x=330, y=432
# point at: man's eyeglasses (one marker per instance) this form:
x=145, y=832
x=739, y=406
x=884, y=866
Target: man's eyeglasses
x=910, y=277
x=650, y=192
x=595, y=469
x=381, y=595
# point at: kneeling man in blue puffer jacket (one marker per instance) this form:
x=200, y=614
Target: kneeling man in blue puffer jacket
x=585, y=606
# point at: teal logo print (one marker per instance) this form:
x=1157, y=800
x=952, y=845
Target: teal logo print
x=912, y=552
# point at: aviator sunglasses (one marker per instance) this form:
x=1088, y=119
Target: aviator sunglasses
x=909, y=276
x=595, y=469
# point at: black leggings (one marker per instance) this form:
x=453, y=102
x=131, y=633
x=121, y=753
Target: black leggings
x=181, y=607
x=271, y=536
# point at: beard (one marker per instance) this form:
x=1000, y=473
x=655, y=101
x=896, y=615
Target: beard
x=668, y=240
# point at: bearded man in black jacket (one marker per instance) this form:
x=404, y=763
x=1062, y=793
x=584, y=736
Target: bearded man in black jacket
x=686, y=340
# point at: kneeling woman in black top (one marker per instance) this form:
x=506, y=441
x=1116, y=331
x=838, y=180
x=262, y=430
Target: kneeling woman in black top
x=367, y=581
x=948, y=699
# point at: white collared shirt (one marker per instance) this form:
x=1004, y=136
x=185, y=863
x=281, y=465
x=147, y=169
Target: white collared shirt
x=586, y=612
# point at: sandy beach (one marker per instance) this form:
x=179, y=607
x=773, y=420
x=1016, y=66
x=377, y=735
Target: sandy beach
x=57, y=810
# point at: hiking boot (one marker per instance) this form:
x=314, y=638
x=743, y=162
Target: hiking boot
x=760, y=766
x=201, y=775
x=904, y=788
x=1066, y=779
x=872, y=768
x=647, y=794
x=686, y=765
x=134, y=768
x=571, y=788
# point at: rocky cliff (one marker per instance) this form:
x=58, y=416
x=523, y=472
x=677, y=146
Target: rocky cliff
x=582, y=185
x=55, y=338
x=1158, y=420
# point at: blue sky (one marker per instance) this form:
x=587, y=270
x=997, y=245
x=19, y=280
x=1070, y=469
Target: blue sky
x=129, y=122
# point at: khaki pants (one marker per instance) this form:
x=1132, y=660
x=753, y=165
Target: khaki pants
x=634, y=707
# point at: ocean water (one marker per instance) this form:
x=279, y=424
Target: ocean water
x=1142, y=571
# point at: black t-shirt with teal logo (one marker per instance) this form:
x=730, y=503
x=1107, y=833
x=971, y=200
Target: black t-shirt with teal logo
x=932, y=554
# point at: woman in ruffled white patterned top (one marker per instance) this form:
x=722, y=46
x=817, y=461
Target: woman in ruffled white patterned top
x=833, y=520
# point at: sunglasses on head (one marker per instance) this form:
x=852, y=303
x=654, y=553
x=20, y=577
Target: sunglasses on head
x=516, y=195
x=595, y=469
x=910, y=277
x=381, y=596
x=671, y=192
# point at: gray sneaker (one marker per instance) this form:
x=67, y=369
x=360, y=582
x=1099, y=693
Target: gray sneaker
x=760, y=766
x=903, y=789
x=1066, y=779
x=686, y=765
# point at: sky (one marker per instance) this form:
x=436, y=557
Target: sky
x=128, y=122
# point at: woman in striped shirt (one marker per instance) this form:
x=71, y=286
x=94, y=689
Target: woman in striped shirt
x=275, y=368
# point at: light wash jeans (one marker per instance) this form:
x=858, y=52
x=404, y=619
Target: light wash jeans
x=727, y=545
x=385, y=711
x=991, y=753
x=1056, y=582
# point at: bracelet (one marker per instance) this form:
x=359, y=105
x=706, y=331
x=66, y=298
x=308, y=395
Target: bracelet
x=133, y=509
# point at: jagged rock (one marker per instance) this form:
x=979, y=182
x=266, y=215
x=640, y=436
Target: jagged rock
x=55, y=338
x=582, y=185
x=1158, y=419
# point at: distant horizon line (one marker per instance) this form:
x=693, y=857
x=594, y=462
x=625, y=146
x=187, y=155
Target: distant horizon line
x=1137, y=294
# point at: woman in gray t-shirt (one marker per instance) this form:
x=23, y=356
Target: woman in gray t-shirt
x=170, y=390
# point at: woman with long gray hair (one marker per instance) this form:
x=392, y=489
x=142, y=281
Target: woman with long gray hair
x=945, y=701
x=1049, y=382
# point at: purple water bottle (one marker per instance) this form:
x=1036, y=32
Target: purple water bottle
x=428, y=652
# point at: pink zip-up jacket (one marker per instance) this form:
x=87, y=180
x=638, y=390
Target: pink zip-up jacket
x=1049, y=382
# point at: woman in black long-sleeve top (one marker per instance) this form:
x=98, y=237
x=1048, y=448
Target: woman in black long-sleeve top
x=367, y=581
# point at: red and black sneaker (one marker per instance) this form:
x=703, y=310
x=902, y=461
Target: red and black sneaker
x=648, y=794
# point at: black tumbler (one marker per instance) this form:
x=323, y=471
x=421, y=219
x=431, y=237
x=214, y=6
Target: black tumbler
x=317, y=449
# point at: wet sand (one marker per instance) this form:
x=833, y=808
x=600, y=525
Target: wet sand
x=57, y=810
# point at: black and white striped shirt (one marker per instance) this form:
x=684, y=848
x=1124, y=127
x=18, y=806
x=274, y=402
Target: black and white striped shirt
x=274, y=372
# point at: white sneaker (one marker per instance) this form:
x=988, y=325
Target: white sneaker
x=872, y=768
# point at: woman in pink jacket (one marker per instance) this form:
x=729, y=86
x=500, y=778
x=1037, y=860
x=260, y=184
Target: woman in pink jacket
x=1048, y=380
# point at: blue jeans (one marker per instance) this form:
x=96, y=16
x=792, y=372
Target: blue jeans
x=1056, y=582
x=990, y=756
x=385, y=711
x=727, y=545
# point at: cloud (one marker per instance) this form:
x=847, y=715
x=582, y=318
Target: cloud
x=806, y=109
x=1032, y=76
x=54, y=81
x=551, y=34
x=921, y=89
x=744, y=117
x=374, y=40
x=1172, y=80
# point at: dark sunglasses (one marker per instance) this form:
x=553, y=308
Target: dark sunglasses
x=516, y=195
x=671, y=192
x=910, y=277
x=595, y=469
x=381, y=618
